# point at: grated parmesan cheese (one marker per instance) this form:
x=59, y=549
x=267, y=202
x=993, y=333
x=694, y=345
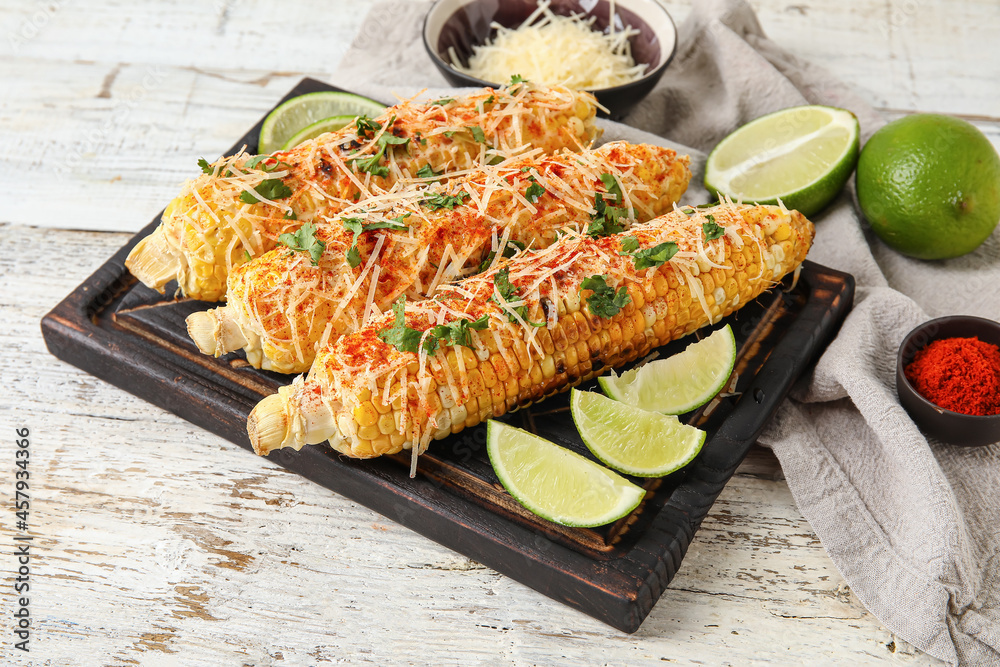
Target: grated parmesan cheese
x=551, y=49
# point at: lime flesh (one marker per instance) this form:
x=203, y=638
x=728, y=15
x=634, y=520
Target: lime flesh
x=555, y=483
x=801, y=155
x=633, y=441
x=330, y=124
x=679, y=383
x=300, y=112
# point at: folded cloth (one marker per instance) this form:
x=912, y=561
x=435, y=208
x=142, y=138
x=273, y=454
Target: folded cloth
x=910, y=524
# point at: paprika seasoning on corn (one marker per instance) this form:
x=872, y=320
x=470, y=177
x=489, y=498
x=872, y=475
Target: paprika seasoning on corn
x=958, y=374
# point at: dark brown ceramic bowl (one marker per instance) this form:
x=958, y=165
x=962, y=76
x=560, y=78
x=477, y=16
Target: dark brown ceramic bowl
x=462, y=24
x=945, y=425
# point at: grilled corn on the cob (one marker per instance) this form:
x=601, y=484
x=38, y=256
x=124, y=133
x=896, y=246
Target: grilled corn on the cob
x=368, y=398
x=243, y=204
x=281, y=308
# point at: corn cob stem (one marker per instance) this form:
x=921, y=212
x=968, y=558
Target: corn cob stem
x=280, y=307
x=238, y=209
x=370, y=398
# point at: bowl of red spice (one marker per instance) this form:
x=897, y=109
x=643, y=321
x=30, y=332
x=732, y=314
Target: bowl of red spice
x=948, y=379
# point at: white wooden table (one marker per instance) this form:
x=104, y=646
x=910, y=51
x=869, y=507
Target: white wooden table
x=159, y=544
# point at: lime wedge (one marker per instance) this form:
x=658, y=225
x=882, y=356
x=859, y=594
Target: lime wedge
x=633, y=441
x=319, y=127
x=802, y=155
x=555, y=483
x=679, y=383
x=300, y=112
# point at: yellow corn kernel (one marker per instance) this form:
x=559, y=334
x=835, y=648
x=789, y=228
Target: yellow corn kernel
x=386, y=423
x=368, y=432
x=365, y=414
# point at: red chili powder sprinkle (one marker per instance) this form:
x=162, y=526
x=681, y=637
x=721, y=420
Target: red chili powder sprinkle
x=958, y=374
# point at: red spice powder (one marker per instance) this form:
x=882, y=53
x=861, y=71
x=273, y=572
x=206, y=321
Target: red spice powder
x=958, y=374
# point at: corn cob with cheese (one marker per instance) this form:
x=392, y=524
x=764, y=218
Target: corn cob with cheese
x=242, y=204
x=281, y=308
x=602, y=303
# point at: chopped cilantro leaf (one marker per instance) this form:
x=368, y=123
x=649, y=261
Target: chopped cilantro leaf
x=629, y=245
x=457, y=333
x=357, y=225
x=290, y=215
x=272, y=188
x=438, y=201
x=443, y=101
x=605, y=220
x=246, y=255
x=304, y=240
x=534, y=191
x=262, y=162
x=478, y=134
x=371, y=164
x=647, y=258
x=450, y=133
x=206, y=168
x=400, y=336
x=604, y=302
x=510, y=249
x=495, y=160
x=508, y=293
x=427, y=171
x=366, y=127
x=516, y=79
x=711, y=229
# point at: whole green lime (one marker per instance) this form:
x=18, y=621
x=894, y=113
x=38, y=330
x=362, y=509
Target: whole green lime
x=930, y=186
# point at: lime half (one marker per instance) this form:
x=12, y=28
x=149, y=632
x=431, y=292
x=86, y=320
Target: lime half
x=319, y=127
x=801, y=155
x=679, y=383
x=633, y=441
x=300, y=112
x=555, y=483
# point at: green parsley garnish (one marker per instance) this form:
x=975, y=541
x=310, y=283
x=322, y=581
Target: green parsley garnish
x=629, y=245
x=206, y=168
x=290, y=215
x=516, y=79
x=660, y=254
x=438, y=201
x=534, y=191
x=509, y=293
x=604, y=302
x=427, y=171
x=712, y=230
x=357, y=225
x=443, y=101
x=510, y=249
x=605, y=220
x=304, y=240
x=405, y=339
x=272, y=188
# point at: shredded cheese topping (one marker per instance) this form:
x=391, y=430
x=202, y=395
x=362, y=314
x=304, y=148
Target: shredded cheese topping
x=552, y=49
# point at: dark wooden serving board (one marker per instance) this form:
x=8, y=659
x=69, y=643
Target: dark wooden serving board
x=134, y=338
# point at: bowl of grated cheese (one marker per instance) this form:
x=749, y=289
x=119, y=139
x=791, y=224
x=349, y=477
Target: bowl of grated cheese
x=615, y=49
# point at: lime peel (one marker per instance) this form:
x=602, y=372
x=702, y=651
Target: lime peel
x=633, y=441
x=330, y=124
x=299, y=112
x=556, y=483
x=680, y=383
x=801, y=155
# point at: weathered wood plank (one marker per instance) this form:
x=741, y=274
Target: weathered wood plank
x=161, y=544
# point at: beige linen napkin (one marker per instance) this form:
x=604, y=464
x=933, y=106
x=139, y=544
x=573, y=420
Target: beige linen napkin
x=911, y=524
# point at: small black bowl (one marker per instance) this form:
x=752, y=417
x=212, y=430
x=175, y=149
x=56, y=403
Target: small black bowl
x=945, y=425
x=462, y=24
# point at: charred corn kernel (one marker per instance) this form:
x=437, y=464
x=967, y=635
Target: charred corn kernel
x=284, y=308
x=610, y=340
x=202, y=234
